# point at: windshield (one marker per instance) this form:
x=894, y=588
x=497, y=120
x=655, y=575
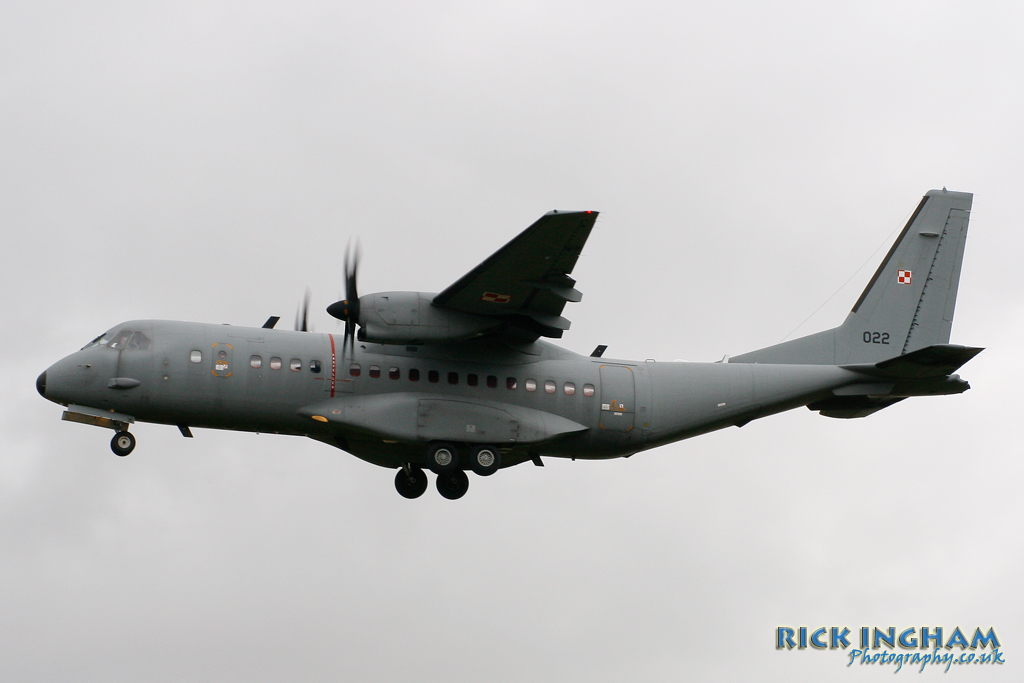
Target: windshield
x=133, y=340
x=98, y=341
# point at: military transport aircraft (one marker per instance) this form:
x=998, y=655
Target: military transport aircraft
x=461, y=380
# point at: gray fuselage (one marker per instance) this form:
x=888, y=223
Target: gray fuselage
x=261, y=380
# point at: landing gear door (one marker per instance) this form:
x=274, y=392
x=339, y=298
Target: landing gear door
x=618, y=398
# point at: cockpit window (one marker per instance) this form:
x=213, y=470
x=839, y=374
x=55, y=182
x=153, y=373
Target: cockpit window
x=139, y=342
x=98, y=341
x=120, y=340
x=131, y=340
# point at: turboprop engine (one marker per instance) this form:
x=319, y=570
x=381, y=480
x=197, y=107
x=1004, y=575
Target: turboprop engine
x=522, y=305
x=410, y=318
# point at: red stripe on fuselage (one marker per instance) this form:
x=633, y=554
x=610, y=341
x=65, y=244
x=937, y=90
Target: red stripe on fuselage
x=334, y=364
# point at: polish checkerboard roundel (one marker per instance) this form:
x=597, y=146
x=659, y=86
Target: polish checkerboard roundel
x=903, y=277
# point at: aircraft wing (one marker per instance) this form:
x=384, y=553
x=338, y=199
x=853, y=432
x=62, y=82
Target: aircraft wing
x=527, y=280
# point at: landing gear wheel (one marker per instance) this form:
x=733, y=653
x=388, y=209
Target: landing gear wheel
x=122, y=444
x=411, y=484
x=442, y=457
x=453, y=485
x=485, y=460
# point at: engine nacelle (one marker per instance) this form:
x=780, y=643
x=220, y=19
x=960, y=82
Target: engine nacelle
x=409, y=318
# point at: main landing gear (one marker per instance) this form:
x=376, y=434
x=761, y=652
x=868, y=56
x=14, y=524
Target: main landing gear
x=444, y=460
x=485, y=460
x=411, y=481
x=453, y=485
x=122, y=444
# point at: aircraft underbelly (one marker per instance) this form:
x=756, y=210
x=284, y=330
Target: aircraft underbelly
x=415, y=417
x=440, y=419
x=694, y=398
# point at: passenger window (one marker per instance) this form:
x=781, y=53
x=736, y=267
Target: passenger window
x=256, y=362
x=511, y=383
x=275, y=363
x=414, y=375
x=196, y=356
x=354, y=369
x=374, y=371
x=492, y=381
x=549, y=387
x=531, y=385
x=295, y=365
x=314, y=366
x=570, y=388
x=433, y=377
x=453, y=378
x=588, y=389
x=394, y=373
x=472, y=380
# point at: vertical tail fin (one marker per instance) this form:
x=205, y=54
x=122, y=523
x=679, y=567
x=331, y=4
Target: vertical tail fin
x=909, y=302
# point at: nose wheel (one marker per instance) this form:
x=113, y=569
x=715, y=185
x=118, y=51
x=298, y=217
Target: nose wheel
x=122, y=444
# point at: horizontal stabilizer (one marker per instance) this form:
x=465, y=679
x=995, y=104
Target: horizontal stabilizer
x=925, y=372
x=937, y=360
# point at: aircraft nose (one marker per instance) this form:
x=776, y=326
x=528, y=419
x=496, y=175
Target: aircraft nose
x=41, y=384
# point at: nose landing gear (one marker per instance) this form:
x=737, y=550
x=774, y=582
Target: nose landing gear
x=122, y=444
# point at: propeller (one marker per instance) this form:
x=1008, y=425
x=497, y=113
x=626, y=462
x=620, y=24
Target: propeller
x=348, y=308
x=302, y=314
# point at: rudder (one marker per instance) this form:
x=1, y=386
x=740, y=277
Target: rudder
x=907, y=305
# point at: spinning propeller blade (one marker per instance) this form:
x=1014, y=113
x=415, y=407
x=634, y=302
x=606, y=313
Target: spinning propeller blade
x=302, y=314
x=348, y=308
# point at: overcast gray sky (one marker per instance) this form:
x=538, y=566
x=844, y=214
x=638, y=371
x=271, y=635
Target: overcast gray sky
x=208, y=160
